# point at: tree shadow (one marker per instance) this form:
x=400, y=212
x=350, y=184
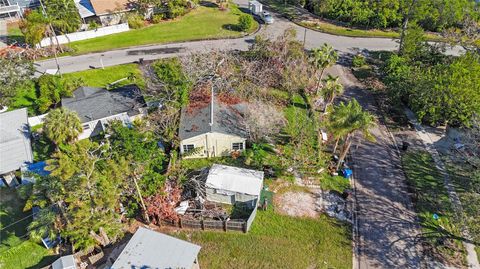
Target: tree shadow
x=208, y=4
x=46, y=261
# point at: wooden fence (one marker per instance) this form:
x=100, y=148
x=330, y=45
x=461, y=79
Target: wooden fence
x=203, y=224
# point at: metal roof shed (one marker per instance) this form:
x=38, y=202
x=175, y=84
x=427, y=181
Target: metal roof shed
x=235, y=179
x=15, y=147
x=65, y=262
x=150, y=249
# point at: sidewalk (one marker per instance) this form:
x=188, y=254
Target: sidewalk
x=428, y=142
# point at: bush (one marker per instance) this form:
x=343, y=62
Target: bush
x=245, y=22
x=358, y=60
x=135, y=21
x=157, y=18
x=93, y=25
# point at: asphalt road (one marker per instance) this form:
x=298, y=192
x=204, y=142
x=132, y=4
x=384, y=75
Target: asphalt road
x=386, y=226
x=129, y=55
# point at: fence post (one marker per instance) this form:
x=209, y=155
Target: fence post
x=225, y=225
x=244, y=226
x=180, y=222
x=202, y=225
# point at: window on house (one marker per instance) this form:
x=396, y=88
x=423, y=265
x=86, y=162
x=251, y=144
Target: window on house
x=86, y=127
x=187, y=148
x=237, y=146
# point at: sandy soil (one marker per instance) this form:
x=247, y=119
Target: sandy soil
x=297, y=204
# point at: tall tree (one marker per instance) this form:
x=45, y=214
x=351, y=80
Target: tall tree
x=145, y=161
x=322, y=58
x=332, y=87
x=348, y=119
x=14, y=73
x=92, y=182
x=63, y=15
x=34, y=27
x=62, y=126
x=52, y=88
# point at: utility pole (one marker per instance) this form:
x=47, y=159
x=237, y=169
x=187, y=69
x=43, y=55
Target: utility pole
x=55, y=35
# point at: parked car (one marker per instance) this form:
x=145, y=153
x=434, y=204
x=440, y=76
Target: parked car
x=267, y=17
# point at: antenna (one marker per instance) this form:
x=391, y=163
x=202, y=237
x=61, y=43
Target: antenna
x=211, y=108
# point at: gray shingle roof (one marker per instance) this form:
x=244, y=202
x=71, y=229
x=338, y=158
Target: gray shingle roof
x=150, y=249
x=15, y=147
x=227, y=119
x=97, y=103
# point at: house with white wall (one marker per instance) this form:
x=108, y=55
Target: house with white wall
x=97, y=106
x=212, y=130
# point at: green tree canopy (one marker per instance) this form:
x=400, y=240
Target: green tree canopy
x=62, y=126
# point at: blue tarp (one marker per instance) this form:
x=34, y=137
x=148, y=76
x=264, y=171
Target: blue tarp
x=33, y=168
x=347, y=173
x=38, y=168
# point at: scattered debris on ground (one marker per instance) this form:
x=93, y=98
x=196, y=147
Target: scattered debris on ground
x=312, y=203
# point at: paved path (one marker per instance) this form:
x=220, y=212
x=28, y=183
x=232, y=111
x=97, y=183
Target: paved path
x=386, y=225
x=472, y=258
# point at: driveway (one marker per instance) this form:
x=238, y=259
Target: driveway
x=386, y=223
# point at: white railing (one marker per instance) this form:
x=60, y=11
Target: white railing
x=63, y=39
x=9, y=9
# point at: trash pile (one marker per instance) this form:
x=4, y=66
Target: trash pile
x=335, y=206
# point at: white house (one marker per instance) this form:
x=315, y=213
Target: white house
x=214, y=130
x=97, y=106
x=150, y=249
x=230, y=185
x=15, y=145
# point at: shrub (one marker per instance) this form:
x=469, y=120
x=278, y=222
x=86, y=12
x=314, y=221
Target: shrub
x=157, y=18
x=358, y=60
x=245, y=22
x=135, y=21
x=93, y=25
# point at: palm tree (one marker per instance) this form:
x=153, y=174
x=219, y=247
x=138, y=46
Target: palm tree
x=322, y=58
x=345, y=121
x=331, y=89
x=62, y=126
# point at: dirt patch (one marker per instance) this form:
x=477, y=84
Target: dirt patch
x=297, y=204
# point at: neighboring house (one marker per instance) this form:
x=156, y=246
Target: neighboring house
x=85, y=9
x=217, y=129
x=230, y=185
x=65, y=262
x=15, y=145
x=111, y=12
x=14, y=9
x=97, y=106
x=150, y=249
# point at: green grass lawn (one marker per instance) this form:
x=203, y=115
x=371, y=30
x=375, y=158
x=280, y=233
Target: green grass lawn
x=14, y=33
x=15, y=251
x=431, y=197
x=201, y=23
x=103, y=77
x=277, y=241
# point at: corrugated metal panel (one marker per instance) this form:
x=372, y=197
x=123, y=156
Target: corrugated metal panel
x=15, y=147
x=235, y=179
x=150, y=249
